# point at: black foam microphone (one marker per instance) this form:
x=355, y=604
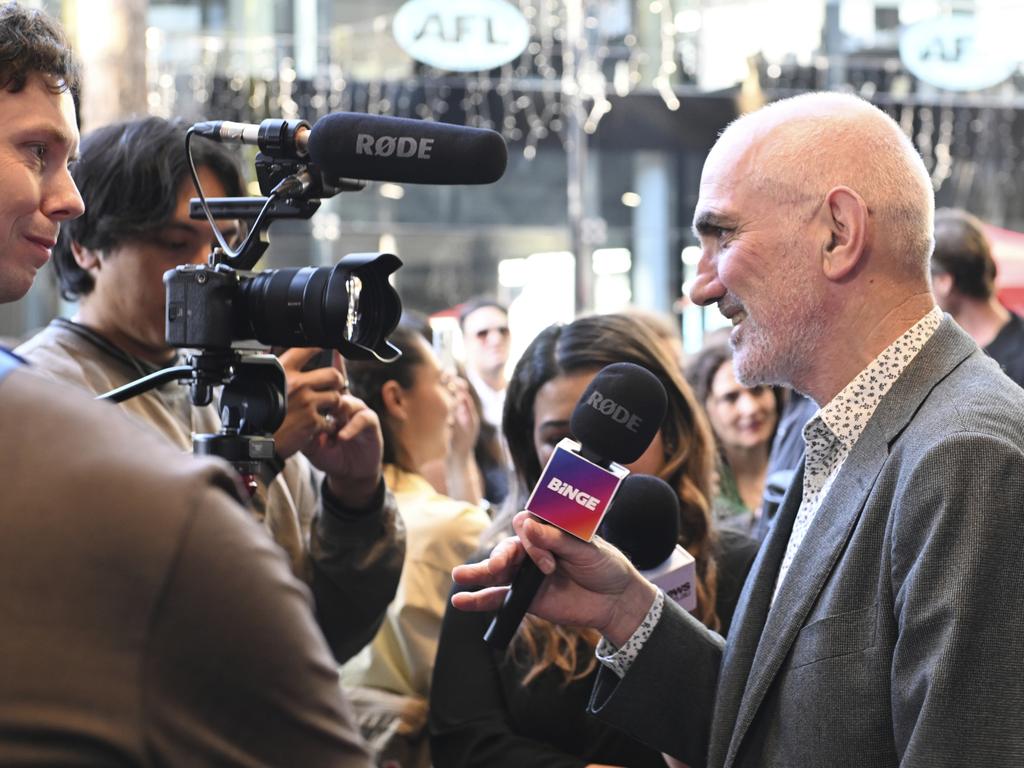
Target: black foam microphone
x=375, y=148
x=644, y=524
x=614, y=421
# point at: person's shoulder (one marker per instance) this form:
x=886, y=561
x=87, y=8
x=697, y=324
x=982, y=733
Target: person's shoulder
x=978, y=395
x=66, y=429
x=56, y=353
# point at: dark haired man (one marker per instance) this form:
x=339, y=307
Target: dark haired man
x=963, y=281
x=146, y=619
x=134, y=179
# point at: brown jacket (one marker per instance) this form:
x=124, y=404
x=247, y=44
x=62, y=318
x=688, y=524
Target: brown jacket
x=140, y=604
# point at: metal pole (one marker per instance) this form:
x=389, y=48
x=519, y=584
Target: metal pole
x=574, y=53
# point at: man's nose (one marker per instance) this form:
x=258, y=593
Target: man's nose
x=706, y=288
x=63, y=200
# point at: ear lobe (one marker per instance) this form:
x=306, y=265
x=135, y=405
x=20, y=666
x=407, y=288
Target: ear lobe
x=86, y=258
x=847, y=220
x=942, y=284
x=393, y=398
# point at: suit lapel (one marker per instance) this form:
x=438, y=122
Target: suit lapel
x=826, y=538
x=749, y=620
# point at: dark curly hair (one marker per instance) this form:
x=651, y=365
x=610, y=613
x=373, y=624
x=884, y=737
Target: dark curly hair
x=129, y=174
x=30, y=42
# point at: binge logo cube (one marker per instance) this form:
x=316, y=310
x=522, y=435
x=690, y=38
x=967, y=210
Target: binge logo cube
x=574, y=493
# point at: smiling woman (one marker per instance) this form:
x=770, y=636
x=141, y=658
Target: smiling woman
x=744, y=421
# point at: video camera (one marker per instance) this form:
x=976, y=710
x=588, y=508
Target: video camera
x=351, y=307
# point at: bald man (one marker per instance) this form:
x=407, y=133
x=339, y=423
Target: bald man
x=880, y=624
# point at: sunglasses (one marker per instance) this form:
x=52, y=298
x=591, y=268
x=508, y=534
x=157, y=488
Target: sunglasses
x=483, y=333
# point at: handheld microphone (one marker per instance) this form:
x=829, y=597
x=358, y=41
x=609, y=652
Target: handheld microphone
x=615, y=420
x=398, y=149
x=645, y=526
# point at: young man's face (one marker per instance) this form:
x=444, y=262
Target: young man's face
x=38, y=137
x=129, y=298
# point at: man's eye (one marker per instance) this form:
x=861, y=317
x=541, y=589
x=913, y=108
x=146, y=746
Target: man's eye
x=38, y=151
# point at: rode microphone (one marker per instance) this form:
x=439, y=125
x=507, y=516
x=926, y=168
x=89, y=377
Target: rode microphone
x=370, y=147
x=615, y=420
x=644, y=524
x=353, y=145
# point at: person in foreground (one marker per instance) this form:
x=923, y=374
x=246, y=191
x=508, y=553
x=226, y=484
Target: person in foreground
x=140, y=603
x=527, y=706
x=880, y=624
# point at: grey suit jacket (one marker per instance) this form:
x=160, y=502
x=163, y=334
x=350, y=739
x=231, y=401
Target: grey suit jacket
x=897, y=637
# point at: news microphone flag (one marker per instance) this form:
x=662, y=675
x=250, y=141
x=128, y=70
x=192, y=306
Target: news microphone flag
x=574, y=493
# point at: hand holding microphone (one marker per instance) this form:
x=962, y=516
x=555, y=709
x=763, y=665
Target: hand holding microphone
x=615, y=420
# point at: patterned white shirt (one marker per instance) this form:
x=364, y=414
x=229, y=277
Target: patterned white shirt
x=833, y=431
x=619, y=660
x=829, y=437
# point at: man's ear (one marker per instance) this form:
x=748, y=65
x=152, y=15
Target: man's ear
x=394, y=400
x=942, y=284
x=86, y=258
x=847, y=220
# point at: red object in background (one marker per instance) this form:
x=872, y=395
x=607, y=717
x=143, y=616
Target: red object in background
x=1008, y=252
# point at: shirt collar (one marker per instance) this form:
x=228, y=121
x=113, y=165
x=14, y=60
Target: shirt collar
x=847, y=414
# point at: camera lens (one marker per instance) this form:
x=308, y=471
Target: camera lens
x=350, y=307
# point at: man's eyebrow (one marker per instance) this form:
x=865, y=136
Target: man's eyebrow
x=50, y=133
x=708, y=221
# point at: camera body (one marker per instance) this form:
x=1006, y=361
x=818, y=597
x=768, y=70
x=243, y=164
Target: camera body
x=201, y=306
x=351, y=307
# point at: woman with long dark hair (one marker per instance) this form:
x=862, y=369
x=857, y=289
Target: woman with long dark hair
x=527, y=706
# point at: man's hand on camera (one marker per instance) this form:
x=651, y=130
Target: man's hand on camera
x=349, y=446
x=588, y=584
x=312, y=396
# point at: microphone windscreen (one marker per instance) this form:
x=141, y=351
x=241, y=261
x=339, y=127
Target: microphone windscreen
x=375, y=148
x=620, y=412
x=643, y=521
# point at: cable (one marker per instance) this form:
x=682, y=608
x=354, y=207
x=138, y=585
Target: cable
x=285, y=185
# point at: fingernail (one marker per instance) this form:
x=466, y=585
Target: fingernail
x=546, y=565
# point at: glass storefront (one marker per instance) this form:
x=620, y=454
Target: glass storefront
x=607, y=110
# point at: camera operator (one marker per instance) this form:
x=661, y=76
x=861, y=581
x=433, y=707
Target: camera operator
x=346, y=541
x=140, y=604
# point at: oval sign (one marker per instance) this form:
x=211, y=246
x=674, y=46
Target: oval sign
x=954, y=52
x=461, y=35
